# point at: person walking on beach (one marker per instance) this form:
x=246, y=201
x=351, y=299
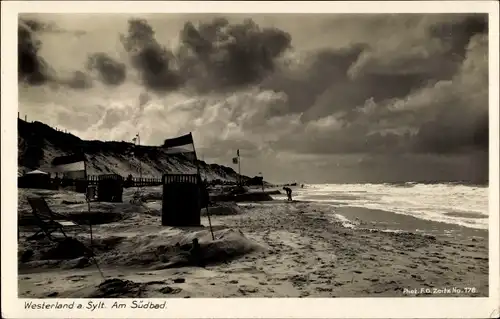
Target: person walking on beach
x=288, y=191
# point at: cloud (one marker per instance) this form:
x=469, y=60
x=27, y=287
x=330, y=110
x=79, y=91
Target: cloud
x=414, y=85
x=229, y=55
x=48, y=27
x=435, y=48
x=389, y=105
x=152, y=60
x=110, y=72
x=211, y=56
x=459, y=109
x=31, y=67
x=307, y=85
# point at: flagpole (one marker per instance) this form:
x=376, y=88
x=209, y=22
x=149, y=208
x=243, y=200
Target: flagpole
x=262, y=175
x=198, y=173
x=239, y=167
x=137, y=143
x=140, y=163
x=195, y=156
x=87, y=193
x=87, y=197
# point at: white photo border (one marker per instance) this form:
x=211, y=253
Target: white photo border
x=404, y=307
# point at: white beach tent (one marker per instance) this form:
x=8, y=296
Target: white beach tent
x=35, y=179
x=36, y=172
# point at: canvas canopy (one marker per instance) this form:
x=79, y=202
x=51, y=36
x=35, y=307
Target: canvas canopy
x=37, y=172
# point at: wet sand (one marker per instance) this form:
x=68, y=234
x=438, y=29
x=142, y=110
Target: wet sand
x=385, y=220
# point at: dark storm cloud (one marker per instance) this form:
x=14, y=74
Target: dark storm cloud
x=324, y=86
x=457, y=32
x=228, y=55
x=328, y=85
x=212, y=56
x=152, y=60
x=445, y=109
x=110, y=71
x=39, y=26
x=453, y=132
x=32, y=68
x=79, y=80
x=304, y=86
x=437, y=51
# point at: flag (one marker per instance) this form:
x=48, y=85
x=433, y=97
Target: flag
x=136, y=137
x=181, y=145
x=235, y=160
x=70, y=166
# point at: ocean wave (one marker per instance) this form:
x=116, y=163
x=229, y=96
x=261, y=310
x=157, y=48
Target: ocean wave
x=347, y=223
x=448, y=203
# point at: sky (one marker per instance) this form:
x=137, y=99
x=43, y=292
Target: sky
x=312, y=98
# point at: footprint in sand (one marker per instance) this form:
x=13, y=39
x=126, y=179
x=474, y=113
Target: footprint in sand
x=170, y=290
x=76, y=279
x=244, y=290
x=156, y=282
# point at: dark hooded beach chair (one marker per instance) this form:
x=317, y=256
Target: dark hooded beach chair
x=48, y=220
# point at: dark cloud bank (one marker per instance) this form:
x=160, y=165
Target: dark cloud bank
x=409, y=103
x=32, y=68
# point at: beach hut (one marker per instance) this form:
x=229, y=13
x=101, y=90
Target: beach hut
x=36, y=179
x=181, y=200
x=110, y=188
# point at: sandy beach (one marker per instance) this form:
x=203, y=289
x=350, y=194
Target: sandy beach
x=261, y=249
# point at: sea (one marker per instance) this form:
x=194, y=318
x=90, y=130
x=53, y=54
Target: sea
x=430, y=208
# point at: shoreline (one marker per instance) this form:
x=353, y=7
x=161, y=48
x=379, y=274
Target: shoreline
x=387, y=220
x=380, y=219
